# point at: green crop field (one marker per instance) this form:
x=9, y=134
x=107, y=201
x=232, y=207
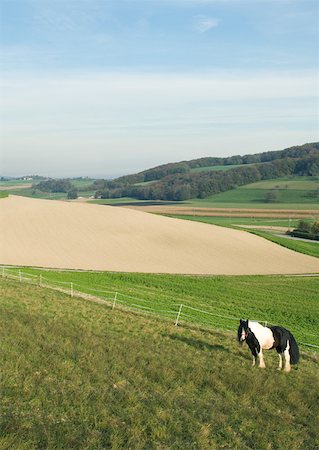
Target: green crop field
x=78, y=375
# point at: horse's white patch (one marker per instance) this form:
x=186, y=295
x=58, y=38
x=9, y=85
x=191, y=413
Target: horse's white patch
x=263, y=334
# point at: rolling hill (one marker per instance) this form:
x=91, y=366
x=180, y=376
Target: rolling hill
x=203, y=177
x=59, y=234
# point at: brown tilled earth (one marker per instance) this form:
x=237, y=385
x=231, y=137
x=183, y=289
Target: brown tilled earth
x=56, y=234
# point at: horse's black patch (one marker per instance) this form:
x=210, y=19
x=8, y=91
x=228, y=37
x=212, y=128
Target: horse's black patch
x=253, y=343
x=281, y=337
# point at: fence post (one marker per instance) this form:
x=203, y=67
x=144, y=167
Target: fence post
x=71, y=289
x=2, y=271
x=20, y=276
x=178, y=314
x=114, y=301
x=40, y=280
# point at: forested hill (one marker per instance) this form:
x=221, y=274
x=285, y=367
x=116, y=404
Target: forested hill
x=198, y=179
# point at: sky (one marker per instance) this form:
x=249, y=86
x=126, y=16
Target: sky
x=103, y=88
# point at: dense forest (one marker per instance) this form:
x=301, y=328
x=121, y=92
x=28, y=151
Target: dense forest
x=178, y=181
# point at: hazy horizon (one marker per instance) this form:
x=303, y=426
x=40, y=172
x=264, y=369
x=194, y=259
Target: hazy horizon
x=115, y=175
x=102, y=88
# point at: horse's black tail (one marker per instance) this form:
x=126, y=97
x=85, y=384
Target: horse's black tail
x=293, y=349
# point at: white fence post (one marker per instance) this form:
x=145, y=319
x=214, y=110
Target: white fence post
x=40, y=280
x=20, y=276
x=114, y=301
x=71, y=289
x=178, y=314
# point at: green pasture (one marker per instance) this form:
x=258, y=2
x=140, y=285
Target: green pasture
x=3, y=194
x=291, y=193
x=78, y=375
x=14, y=182
x=217, y=168
x=234, y=220
x=289, y=301
x=36, y=193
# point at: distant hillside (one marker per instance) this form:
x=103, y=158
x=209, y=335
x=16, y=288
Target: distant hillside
x=200, y=178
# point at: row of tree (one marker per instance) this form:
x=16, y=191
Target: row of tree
x=57, y=185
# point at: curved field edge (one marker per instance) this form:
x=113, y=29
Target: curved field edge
x=219, y=301
x=307, y=248
x=79, y=375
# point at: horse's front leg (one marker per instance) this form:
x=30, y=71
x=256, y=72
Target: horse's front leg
x=261, y=360
x=254, y=353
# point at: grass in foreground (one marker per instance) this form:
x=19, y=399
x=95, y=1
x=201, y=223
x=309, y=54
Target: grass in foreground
x=77, y=375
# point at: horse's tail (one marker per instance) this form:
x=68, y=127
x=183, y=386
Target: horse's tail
x=293, y=349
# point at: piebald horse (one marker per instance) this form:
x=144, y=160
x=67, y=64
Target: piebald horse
x=259, y=338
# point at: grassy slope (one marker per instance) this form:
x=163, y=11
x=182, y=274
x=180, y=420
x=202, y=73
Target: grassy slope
x=289, y=301
x=78, y=375
x=3, y=194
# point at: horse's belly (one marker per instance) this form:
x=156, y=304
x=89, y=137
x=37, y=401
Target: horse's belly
x=268, y=343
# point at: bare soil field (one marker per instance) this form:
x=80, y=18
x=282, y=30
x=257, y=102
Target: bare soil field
x=56, y=234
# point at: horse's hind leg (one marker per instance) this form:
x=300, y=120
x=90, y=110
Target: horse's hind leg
x=287, y=358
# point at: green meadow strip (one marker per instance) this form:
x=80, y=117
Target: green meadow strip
x=217, y=302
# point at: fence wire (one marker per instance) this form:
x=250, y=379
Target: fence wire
x=125, y=302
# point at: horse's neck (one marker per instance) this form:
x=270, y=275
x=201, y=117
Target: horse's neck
x=263, y=334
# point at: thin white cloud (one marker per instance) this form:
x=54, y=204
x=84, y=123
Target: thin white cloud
x=204, y=23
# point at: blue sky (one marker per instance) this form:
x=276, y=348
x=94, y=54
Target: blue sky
x=102, y=88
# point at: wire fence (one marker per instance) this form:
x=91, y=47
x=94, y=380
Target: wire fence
x=180, y=314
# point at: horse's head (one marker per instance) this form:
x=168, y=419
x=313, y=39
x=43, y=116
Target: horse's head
x=243, y=330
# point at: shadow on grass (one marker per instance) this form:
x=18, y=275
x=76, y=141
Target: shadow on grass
x=201, y=345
